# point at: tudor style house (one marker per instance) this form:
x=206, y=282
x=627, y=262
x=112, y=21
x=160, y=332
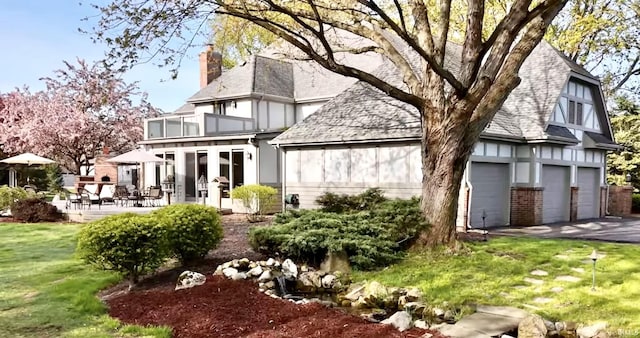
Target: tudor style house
x=298, y=127
x=542, y=159
x=223, y=129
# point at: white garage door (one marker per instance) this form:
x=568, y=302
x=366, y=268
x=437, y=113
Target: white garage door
x=588, y=193
x=555, y=196
x=490, y=194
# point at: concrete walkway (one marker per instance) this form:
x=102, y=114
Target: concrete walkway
x=610, y=229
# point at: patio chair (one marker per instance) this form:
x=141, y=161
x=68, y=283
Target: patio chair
x=72, y=198
x=154, y=195
x=121, y=194
x=107, y=194
x=92, y=191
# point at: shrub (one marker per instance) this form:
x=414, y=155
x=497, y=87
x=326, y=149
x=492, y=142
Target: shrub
x=127, y=243
x=635, y=203
x=192, y=229
x=257, y=199
x=368, y=199
x=371, y=238
x=9, y=195
x=34, y=210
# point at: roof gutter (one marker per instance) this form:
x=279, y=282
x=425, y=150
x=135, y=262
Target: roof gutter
x=198, y=139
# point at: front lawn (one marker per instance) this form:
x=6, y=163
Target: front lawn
x=47, y=292
x=494, y=273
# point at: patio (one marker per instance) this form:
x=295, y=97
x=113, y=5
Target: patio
x=94, y=213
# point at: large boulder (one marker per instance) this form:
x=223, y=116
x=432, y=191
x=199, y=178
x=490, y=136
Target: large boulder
x=532, y=326
x=189, y=279
x=255, y=271
x=400, y=320
x=289, y=269
x=354, y=292
x=309, y=281
x=375, y=294
x=336, y=261
x=330, y=282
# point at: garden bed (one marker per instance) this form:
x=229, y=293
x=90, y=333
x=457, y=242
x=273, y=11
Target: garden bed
x=224, y=308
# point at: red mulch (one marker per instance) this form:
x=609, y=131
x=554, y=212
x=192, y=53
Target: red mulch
x=225, y=308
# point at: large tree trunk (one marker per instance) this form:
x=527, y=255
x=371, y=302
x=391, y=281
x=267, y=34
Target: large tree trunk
x=446, y=147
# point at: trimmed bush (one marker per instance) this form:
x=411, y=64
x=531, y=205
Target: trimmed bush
x=34, y=210
x=193, y=230
x=371, y=238
x=367, y=200
x=257, y=199
x=127, y=243
x=635, y=203
x=9, y=195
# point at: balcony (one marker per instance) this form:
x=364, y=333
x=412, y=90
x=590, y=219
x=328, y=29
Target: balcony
x=205, y=124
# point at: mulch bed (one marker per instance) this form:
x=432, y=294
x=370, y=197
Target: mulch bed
x=225, y=308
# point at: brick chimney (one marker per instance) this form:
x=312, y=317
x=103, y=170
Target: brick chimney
x=210, y=66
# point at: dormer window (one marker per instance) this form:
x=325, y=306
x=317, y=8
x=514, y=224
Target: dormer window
x=575, y=112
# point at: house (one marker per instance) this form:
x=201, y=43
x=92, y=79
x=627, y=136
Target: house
x=542, y=159
x=223, y=130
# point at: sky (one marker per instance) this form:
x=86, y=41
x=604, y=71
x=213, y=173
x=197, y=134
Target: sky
x=37, y=35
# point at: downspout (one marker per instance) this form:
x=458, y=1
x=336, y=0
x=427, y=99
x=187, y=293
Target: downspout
x=469, y=189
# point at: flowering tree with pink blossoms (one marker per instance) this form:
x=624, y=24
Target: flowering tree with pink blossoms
x=84, y=109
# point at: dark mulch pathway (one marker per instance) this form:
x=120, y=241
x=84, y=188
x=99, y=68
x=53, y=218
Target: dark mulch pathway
x=225, y=308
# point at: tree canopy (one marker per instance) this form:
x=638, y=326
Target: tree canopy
x=83, y=109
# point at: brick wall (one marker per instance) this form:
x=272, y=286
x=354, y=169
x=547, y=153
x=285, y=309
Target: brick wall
x=104, y=168
x=573, y=214
x=526, y=206
x=620, y=200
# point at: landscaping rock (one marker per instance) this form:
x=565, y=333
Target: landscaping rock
x=289, y=269
x=239, y=276
x=421, y=324
x=336, y=261
x=400, y=320
x=415, y=308
x=229, y=272
x=270, y=262
x=532, y=327
x=375, y=316
x=355, y=291
x=539, y=273
x=533, y=281
x=255, y=272
x=189, y=279
x=570, y=279
x=266, y=276
x=309, y=281
x=413, y=294
x=596, y=330
x=375, y=294
x=329, y=281
x=218, y=271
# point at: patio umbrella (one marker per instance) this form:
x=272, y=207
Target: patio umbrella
x=134, y=157
x=27, y=159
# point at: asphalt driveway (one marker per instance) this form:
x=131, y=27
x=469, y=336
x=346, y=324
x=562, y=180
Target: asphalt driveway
x=610, y=229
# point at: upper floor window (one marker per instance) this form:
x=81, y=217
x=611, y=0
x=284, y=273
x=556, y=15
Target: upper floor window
x=219, y=108
x=576, y=107
x=575, y=112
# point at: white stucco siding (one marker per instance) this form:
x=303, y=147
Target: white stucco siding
x=238, y=108
x=395, y=169
x=268, y=161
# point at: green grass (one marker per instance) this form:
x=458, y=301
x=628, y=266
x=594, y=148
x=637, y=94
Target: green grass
x=493, y=273
x=47, y=292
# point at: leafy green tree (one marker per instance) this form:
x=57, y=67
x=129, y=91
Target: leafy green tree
x=235, y=44
x=626, y=127
x=54, y=178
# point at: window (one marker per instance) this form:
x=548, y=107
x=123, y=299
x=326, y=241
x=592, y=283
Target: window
x=575, y=112
x=219, y=108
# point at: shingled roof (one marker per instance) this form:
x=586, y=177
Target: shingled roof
x=365, y=113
